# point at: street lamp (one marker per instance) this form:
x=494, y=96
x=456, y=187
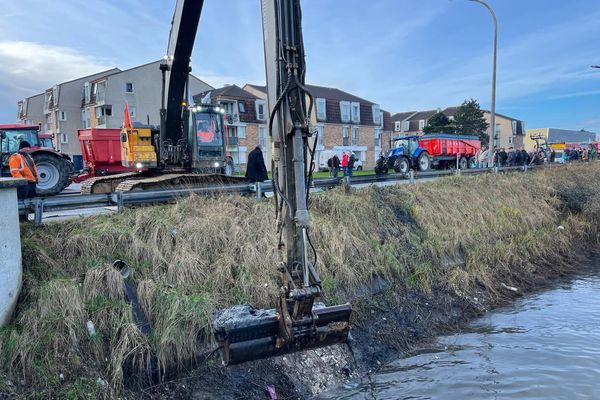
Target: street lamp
x=493, y=105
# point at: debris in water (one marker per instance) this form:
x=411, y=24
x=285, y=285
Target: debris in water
x=271, y=394
x=512, y=288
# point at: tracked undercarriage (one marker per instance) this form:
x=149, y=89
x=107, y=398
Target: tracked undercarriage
x=136, y=181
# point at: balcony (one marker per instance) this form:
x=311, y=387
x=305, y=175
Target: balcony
x=233, y=140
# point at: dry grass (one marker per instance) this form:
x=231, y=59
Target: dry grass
x=465, y=234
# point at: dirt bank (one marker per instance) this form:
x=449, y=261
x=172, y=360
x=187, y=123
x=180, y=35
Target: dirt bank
x=413, y=260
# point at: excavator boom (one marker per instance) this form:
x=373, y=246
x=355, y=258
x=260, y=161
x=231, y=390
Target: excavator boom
x=298, y=322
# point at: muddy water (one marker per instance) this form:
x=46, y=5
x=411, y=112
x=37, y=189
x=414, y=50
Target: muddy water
x=546, y=346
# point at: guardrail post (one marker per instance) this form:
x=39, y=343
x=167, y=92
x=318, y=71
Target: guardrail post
x=38, y=211
x=11, y=269
x=120, y=203
x=496, y=169
x=525, y=167
x=258, y=190
x=411, y=176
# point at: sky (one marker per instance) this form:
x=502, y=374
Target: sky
x=402, y=54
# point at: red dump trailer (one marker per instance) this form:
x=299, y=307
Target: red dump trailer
x=446, y=150
x=101, y=150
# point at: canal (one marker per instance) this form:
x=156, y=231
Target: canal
x=545, y=346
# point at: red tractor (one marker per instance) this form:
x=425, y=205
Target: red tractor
x=54, y=168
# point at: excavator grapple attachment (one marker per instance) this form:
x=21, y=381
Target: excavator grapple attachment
x=245, y=333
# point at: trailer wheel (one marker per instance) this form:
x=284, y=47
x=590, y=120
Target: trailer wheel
x=463, y=163
x=53, y=174
x=472, y=163
x=424, y=162
x=401, y=165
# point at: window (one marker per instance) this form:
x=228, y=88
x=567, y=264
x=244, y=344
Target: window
x=320, y=132
x=421, y=124
x=321, y=109
x=241, y=131
x=85, y=119
x=228, y=106
x=377, y=137
x=132, y=111
x=62, y=116
x=260, y=110
x=376, y=114
x=241, y=107
x=510, y=140
x=498, y=131
x=64, y=139
x=345, y=111
x=405, y=126
x=54, y=96
x=47, y=101
x=355, y=112
x=354, y=138
x=345, y=136
x=262, y=136
x=86, y=92
x=514, y=127
x=100, y=92
x=129, y=87
x=241, y=155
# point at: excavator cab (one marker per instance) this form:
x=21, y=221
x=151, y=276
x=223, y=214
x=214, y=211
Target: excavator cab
x=207, y=133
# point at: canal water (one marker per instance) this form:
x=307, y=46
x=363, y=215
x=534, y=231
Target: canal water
x=545, y=346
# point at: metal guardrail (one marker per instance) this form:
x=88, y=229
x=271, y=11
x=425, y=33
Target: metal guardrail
x=39, y=205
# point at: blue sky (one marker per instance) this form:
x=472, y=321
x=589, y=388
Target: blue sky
x=402, y=54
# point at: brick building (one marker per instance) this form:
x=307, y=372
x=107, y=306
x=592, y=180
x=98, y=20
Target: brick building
x=345, y=122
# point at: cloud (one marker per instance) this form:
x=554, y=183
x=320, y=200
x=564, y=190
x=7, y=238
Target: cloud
x=29, y=67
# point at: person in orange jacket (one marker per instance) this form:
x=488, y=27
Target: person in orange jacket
x=22, y=166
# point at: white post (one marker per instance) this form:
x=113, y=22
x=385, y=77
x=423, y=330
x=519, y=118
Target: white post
x=11, y=270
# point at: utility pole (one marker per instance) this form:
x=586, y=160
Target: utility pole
x=493, y=105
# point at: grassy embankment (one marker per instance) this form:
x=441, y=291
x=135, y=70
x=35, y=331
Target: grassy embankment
x=460, y=235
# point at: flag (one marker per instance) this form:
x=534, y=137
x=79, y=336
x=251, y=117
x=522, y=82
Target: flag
x=126, y=117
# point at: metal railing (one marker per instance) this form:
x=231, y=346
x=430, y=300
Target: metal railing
x=121, y=200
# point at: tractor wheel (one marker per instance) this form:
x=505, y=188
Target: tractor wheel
x=463, y=163
x=424, y=162
x=359, y=168
x=401, y=165
x=381, y=166
x=53, y=174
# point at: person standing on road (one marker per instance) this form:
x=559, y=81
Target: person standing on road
x=335, y=163
x=22, y=166
x=351, y=161
x=502, y=157
x=511, y=157
x=345, y=163
x=256, y=170
x=483, y=157
x=524, y=157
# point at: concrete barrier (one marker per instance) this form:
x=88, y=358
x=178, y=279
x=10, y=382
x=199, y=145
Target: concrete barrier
x=11, y=269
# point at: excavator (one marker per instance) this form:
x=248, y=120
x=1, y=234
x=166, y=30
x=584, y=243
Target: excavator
x=297, y=321
x=190, y=147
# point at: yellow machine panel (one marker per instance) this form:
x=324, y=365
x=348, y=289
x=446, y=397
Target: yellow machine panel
x=137, y=150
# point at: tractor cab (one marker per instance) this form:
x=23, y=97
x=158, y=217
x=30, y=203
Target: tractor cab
x=406, y=145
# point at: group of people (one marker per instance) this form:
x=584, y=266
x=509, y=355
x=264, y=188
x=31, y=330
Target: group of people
x=346, y=163
x=518, y=157
x=580, y=154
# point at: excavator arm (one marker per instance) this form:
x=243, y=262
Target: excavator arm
x=298, y=322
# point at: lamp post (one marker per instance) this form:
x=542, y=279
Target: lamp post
x=493, y=105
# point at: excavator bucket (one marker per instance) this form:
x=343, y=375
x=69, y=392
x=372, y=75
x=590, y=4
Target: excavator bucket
x=245, y=333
